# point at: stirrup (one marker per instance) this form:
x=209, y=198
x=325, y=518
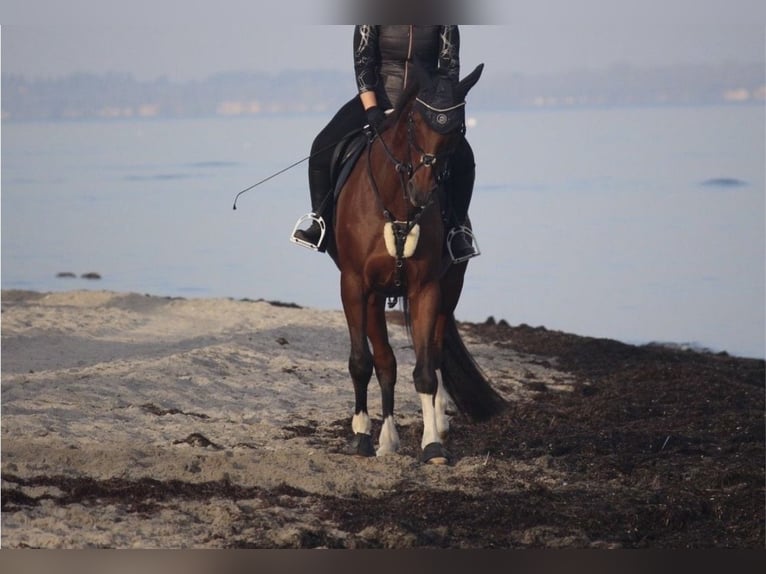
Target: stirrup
x=469, y=236
x=314, y=218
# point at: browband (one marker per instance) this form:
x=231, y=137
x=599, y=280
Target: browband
x=440, y=110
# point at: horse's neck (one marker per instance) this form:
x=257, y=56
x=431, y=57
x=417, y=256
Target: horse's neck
x=388, y=180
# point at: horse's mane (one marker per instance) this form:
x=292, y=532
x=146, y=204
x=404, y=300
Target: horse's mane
x=402, y=104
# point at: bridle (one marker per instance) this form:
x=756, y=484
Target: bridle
x=405, y=169
x=440, y=118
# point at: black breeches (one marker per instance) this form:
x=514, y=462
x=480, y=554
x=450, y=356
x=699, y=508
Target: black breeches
x=460, y=183
x=350, y=117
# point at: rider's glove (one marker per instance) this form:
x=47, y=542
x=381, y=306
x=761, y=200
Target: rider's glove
x=375, y=117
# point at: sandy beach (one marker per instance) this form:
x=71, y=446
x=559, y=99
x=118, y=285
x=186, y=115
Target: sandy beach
x=135, y=421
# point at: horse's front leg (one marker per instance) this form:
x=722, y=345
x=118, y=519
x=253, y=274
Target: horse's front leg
x=424, y=308
x=385, y=370
x=359, y=361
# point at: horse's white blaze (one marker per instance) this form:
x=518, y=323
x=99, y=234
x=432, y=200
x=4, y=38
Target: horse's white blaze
x=361, y=423
x=430, y=432
x=389, y=438
x=442, y=401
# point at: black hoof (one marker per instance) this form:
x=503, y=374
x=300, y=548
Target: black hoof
x=362, y=445
x=435, y=453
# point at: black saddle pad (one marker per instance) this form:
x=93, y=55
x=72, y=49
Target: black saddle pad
x=344, y=159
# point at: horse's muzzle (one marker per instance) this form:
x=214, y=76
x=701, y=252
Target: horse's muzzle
x=419, y=196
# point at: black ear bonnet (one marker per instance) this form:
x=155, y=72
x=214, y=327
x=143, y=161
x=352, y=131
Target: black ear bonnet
x=442, y=106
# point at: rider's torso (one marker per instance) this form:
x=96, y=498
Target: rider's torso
x=398, y=45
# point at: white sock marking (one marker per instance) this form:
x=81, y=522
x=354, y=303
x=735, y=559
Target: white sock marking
x=361, y=423
x=389, y=438
x=430, y=434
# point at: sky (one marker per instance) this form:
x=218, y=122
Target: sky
x=187, y=40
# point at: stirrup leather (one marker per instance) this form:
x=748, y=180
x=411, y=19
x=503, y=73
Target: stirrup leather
x=465, y=230
x=314, y=218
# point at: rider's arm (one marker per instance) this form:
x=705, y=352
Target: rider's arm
x=449, y=51
x=366, y=60
x=369, y=99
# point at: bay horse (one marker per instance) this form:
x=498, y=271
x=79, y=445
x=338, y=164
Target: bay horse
x=393, y=197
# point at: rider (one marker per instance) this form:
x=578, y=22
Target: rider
x=382, y=59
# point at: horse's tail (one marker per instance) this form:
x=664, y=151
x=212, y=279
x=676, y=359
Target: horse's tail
x=464, y=380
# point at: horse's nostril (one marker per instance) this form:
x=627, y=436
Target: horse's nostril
x=418, y=196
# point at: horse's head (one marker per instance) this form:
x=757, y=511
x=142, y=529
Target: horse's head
x=435, y=125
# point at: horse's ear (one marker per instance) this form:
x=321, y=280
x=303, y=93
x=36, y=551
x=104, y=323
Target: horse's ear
x=470, y=80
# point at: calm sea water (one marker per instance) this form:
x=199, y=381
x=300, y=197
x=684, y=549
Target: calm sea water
x=635, y=224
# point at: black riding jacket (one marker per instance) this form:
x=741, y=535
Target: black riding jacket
x=384, y=54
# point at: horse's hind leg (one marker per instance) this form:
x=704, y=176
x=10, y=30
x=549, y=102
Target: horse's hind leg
x=359, y=362
x=385, y=370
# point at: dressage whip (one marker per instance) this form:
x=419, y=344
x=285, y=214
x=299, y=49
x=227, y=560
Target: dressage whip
x=292, y=165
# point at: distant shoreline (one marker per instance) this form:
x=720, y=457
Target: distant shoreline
x=251, y=94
